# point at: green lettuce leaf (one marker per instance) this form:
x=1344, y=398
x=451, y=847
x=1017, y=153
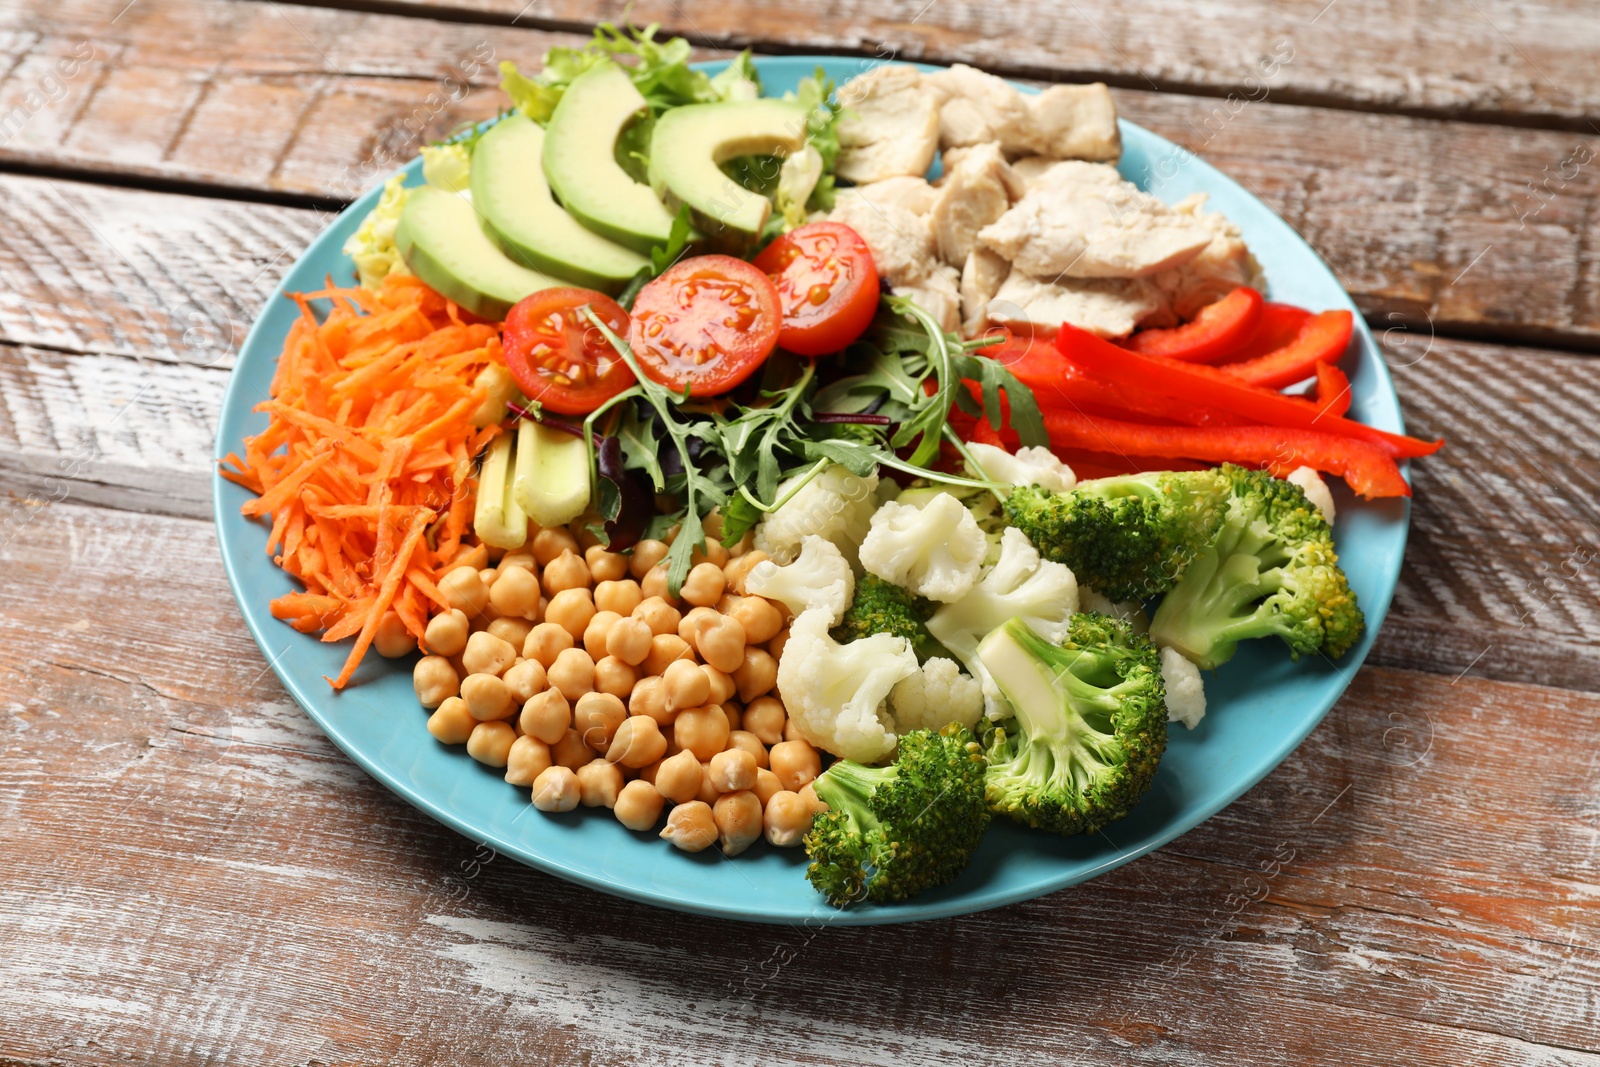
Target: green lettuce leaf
x=372, y=246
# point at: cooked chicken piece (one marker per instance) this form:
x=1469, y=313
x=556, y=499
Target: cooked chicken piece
x=981, y=277
x=1222, y=266
x=901, y=242
x=1082, y=220
x=1106, y=307
x=1028, y=169
x=1075, y=122
x=972, y=194
x=937, y=295
x=913, y=194
x=890, y=126
x=976, y=107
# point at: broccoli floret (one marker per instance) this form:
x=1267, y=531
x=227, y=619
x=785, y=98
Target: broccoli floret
x=881, y=607
x=1089, y=729
x=1128, y=537
x=1270, y=571
x=891, y=832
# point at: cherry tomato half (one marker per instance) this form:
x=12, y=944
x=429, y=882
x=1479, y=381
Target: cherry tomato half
x=707, y=323
x=827, y=283
x=558, y=357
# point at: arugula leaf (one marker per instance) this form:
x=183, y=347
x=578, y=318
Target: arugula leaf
x=995, y=379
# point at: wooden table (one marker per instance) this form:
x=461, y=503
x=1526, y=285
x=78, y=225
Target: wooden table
x=191, y=873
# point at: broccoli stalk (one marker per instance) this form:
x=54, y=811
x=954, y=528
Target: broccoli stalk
x=881, y=607
x=1270, y=571
x=1090, y=723
x=891, y=832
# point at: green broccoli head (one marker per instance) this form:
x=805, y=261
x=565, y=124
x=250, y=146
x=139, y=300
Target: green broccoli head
x=891, y=832
x=881, y=607
x=1270, y=571
x=1090, y=723
x=1128, y=537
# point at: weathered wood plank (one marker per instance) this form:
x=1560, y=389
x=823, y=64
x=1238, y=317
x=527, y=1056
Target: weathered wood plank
x=191, y=873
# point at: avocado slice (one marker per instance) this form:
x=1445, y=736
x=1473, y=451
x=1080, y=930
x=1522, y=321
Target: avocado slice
x=519, y=214
x=441, y=241
x=690, y=144
x=580, y=161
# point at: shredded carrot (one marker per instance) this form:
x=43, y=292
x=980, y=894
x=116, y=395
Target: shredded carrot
x=365, y=468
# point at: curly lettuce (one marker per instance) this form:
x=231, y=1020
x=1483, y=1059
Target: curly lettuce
x=372, y=246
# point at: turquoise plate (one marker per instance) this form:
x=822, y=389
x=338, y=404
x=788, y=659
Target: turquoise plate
x=1262, y=704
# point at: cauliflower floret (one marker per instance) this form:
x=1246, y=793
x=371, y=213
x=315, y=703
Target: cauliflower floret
x=935, y=550
x=835, y=694
x=835, y=505
x=1186, y=693
x=1128, y=611
x=1315, y=488
x=1042, y=593
x=820, y=577
x=935, y=696
x=1034, y=465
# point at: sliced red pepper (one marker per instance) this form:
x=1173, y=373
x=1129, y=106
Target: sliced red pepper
x=1214, y=387
x=1370, y=470
x=1333, y=390
x=1219, y=330
x=1276, y=327
x=1088, y=465
x=1322, y=339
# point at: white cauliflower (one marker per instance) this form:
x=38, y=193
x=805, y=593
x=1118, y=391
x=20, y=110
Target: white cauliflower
x=1128, y=611
x=1042, y=593
x=1034, y=465
x=835, y=505
x=1186, y=693
x=835, y=694
x=935, y=550
x=935, y=696
x=820, y=577
x=1316, y=490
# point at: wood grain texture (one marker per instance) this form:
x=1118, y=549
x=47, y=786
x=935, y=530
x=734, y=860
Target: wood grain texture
x=193, y=874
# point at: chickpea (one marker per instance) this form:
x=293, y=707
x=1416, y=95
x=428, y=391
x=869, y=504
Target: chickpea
x=516, y=593
x=572, y=673
x=760, y=618
x=747, y=742
x=795, y=763
x=664, y=649
x=620, y=596
x=548, y=545
x=459, y=667
x=637, y=742
x=434, y=680
x=647, y=773
x=487, y=654
x=446, y=634
x=613, y=676
x=487, y=576
x=649, y=697
x=722, y=643
x=808, y=793
x=525, y=679
x=452, y=723
x=545, y=642
x=594, y=635
x=766, y=785
x=566, y=571
x=527, y=759
x=596, y=717
x=791, y=732
x=490, y=743
x=646, y=554
x=722, y=688
x=513, y=631
x=392, y=639
x=546, y=717
x=708, y=792
x=639, y=805
x=703, y=587
x=605, y=565
x=486, y=696
x=764, y=717
x=462, y=588
x=570, y=752
x=786, y=819
x=599, y=783
x=693, y=620
x=520, y=558
x=738, y=819
x=756, y=674
x=571, y=609
x=775, y=646
x=474, y=556
x=737, y=569
x=713, y=552
x=704, y=731
x=655, y=584
x=629, y=641
x=679, y=777
x=732, y=769
x=691, y=826
x=686, y=685
x=556, y=789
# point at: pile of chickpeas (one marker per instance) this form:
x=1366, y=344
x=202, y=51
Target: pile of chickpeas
x=574, y=669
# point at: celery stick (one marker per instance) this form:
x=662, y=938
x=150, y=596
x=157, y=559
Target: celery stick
x=551, y=478
x=498, y=518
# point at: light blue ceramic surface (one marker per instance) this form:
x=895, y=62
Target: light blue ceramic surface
x=1262, y=704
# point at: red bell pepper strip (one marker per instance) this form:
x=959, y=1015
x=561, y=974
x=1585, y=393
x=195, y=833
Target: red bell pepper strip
x=1370, y=470
x=1088, y=465
x=1220, y=329
x=1214, y=387
x=1323, y=339
x=1333, y=390
x=1276, y=327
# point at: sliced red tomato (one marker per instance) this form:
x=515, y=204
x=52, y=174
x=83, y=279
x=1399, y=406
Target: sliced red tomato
x=1220, y=329
x=706, y=323
x=558, y=357
x=827, y=285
